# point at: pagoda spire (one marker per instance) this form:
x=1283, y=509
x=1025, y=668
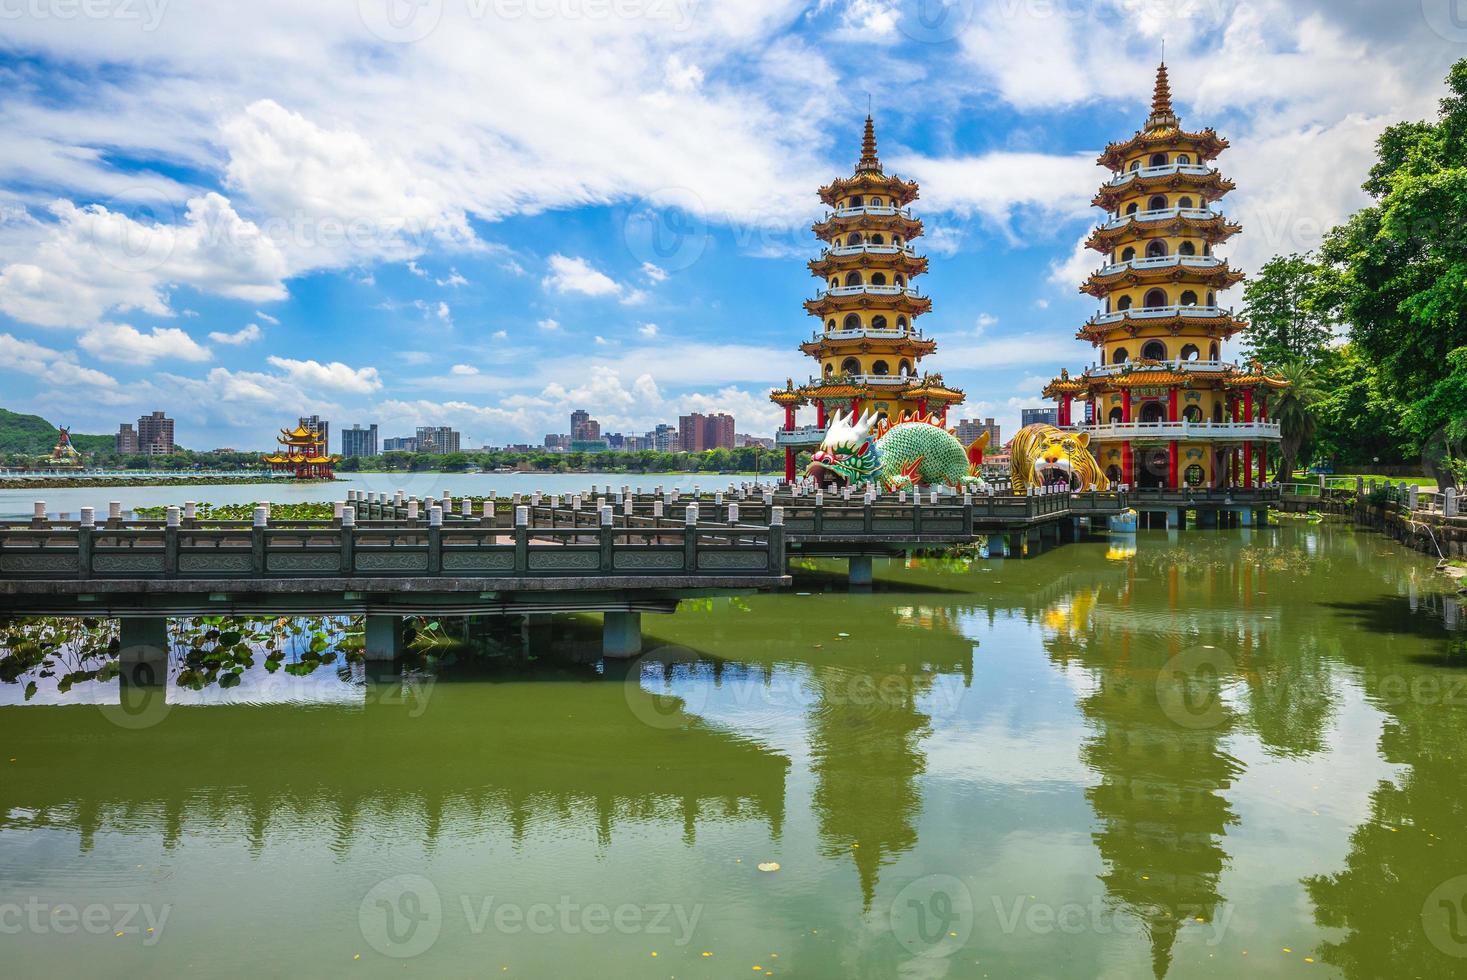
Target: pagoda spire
x=869, y=162
x=1161, y=102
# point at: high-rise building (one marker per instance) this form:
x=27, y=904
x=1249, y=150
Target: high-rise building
x=437, y=439
x=155, y=434
x=1162, y=407
x=1038, y=416
x=320, y=427
x=127, y=438
x=868, y=349
x=557, y=442
x=583, y=427
x=663, y=439
x=358, y=441
x=698, y=432
x=969, y=430
x=400, y=444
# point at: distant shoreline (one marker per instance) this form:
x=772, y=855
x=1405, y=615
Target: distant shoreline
x=81, y=482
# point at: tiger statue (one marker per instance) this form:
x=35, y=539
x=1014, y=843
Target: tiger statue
x=1042, y=456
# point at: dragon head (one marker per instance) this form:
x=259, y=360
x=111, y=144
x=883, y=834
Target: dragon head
x=848, y=454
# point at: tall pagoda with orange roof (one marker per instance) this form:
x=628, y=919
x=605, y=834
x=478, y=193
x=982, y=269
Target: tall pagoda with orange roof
x=303, y=455
x=1162, y=407
x=868, y=347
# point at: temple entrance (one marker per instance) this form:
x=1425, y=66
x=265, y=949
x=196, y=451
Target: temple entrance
x=1153, y=412
x=1152, y=469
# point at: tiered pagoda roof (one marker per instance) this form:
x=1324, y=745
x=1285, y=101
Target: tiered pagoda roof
x=1163, y=131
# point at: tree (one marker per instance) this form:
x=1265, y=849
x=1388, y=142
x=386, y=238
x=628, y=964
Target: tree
x=1296, y=409
x=1438, y=421
x=1359, y=421
x=1285, y=319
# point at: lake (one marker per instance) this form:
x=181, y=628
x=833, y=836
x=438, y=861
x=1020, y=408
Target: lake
x=1200, y=754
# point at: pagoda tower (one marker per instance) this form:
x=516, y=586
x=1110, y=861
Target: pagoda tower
x=303, y=454
x=1162, y=408
x=868, y=348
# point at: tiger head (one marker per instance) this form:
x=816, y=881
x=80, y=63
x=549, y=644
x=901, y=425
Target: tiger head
x=1063, y=459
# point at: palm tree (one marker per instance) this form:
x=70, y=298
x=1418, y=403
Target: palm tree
x=1295, y=412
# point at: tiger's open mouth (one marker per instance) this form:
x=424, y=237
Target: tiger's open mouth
x=1058, y=473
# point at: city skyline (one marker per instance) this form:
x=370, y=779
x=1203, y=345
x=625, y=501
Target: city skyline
x=237, y=246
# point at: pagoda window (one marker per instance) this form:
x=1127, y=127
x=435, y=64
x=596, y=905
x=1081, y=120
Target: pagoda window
x=1124, y=303
x=1189, y=298
x=896, y=239
x=901, y=280
x=1155, y=249
x=855, y=238
x=852, y=321
x=1211, y=298
x=1192, y=413
x=1157, y=203
x=881, y=368
x=1128, y=254
x=1212, y=351
x=877, y=240
x=1121, y=356
x=1190, y=352
x=876, y=202
x=1152, y=412
x=878, y=322
x=1187, y=248
x=1184, y=202
x=830, y=324
x=1116, y=416
x=834, y=281
x=1207, y=248
x=1113, y=473
x=850, y=366
x=905, y=367
x=1158, y=160
x=856, y=202
x=1183, y=159
x=1135, y=165
x=829, y=369
x=878, y=279
x=1154, y=350
x=1132, y=208
x=901, y=323
x=1154, y=298
x=853, y=279
x=1217, y=411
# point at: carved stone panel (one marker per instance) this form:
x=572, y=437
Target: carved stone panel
x=478, y=561
x=389, y=562
x=561, y=560
x=127, y=563
x=215, y=563
x=644, y=561
x=303, y=562
x=38, y=564
x=733, y=560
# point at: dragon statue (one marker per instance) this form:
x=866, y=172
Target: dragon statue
x=1042, y=455
x=909, y=452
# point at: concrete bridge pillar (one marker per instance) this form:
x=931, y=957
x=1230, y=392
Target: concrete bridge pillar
x=1245, y=517
x=144, y=651
x=1207, y=517
x=621, y=634
x=861, y=572
x=1015, y=544
x=384, y=638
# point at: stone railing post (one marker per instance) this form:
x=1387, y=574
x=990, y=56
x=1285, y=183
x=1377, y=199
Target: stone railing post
x=607, y=539
x=114, y=514
x=1449, y=502
x=337, y=507
x=84, y=528
x=967, y=514
x=38, y=516
x=776, y=540
x=690, y=538
x=521, y=538
x=170, y=542
x=348, y=540
x=257, y=540
x=435, y=539
x=412, y=511
x=190, y=513
x=486, y=513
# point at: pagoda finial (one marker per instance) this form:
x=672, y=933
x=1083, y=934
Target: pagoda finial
x=869, y=160
x=1161, y=102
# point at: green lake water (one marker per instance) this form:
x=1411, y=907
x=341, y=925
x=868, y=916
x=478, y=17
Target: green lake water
x=1209, y=754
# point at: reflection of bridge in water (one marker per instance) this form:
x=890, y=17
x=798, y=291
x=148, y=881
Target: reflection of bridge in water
x=478, y=753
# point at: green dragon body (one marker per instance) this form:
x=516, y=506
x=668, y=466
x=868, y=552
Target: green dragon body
x=899, y=455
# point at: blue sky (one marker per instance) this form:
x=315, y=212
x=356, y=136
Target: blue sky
x=487, y=213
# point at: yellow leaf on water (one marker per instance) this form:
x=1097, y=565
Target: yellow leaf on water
x=769, y=866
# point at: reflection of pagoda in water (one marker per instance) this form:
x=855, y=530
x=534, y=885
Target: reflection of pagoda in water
x=868, y=349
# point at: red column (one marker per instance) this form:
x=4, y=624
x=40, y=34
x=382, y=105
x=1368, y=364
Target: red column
x=820, y=413
x=1065, y=411
x=944, y=414
x=1172, y=464
x=789, y=418
x=1248, y=405
x=922, y=407
x=1171, y=405
x=1247, y=464
x=855, y=408
x=1126, y=406
x=1126, y=460
x=1263, y=410
x=789, y=464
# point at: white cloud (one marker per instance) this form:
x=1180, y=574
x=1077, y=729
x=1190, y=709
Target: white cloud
x=654, y=273
x=571, y=274
x=648, y=330
x=248, y=334
x=452, y=279
x=334, y=376
x=267, y=318
x=464, y=369
x=499, y=335
x=59, y=369
x=124, y=344
x=548, y=325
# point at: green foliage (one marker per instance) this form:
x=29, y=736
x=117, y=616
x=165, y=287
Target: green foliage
x=1286, y=318
x=1296, y=409
x=1359, y=421
x=31, y=435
